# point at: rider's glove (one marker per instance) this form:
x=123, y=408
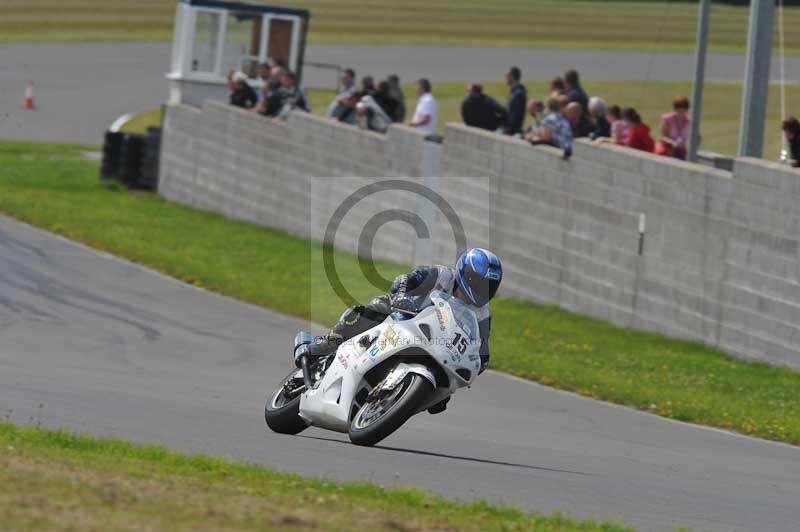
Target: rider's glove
x=404, y=303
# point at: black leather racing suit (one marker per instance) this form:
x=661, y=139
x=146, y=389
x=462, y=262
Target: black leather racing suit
x=412, y=288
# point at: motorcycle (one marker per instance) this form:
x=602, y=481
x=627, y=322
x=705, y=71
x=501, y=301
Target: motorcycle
x=372, y=384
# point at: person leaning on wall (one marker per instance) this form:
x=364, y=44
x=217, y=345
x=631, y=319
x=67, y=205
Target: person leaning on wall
x=791, y=128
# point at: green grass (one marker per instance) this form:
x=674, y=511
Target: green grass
x=141, y=121
x=57, y=480
x=719, y=125
x=648, y=26
x=54, y=187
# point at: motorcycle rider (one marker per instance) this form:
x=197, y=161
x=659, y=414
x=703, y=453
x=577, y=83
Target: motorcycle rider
x=474, y=280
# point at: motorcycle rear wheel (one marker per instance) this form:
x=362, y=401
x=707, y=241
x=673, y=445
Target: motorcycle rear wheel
x=282, y=413
x=379, y=418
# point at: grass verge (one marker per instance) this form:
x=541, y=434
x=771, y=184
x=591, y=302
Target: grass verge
x=629, y=25
x=54, y=187
x=57, y=480
x=721, y=105
x=141, y=121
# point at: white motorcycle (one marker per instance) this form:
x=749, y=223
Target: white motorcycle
x=375, y=382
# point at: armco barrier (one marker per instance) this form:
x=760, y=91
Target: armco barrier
x=719, y=262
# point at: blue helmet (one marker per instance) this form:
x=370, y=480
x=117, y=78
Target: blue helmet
x=478, y=273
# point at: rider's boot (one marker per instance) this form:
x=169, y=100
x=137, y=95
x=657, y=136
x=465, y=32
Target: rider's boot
x=439, y=407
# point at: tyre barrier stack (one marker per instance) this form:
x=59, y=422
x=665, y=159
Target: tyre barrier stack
x=132, y=158
x=112, y=146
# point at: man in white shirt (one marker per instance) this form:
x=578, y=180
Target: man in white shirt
x=425, y=115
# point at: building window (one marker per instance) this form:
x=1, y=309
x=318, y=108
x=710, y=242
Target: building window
x=206, y=42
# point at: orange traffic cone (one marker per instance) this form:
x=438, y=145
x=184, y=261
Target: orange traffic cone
x=27, y=101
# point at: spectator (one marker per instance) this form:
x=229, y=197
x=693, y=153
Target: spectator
x=270, y=102
x=290, y=96
x=581, y=126
x=480, y=110
x=597, y=112
x=574, y=91
x=242, y=94
x=425, y=114
x=367, y=87
x=341, y=108
x=396, y=93
x=676, y=128
x=517, y=98
x=619, y=130
x=383, y=97
x=370, y=115
x=638, y=136
x=264, y=70
x=556, y=130
x=536, y=112
x=791, y=128
x=557, y=86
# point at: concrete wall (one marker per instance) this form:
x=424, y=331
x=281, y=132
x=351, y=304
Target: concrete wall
x=291, y=176
x=720, y=257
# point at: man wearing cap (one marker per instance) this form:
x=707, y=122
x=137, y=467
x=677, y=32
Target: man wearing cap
x=517, y=99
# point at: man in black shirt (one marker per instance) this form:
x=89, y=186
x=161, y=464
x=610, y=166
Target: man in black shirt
x=574, y=91
x=480, y=110
x=517, y=100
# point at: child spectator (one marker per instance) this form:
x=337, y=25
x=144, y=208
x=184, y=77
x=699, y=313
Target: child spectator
x=242, y=94
x=619, y=130
x=597, y=112
x=396, y=93
x=480, y=110
x=675, y=130
x=791, y=128
x=556, y=129
x=425, y=115
x=517, y=98
x=638, y=133
x=537, y=114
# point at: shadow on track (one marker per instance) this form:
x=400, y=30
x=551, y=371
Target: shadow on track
x=451, y=456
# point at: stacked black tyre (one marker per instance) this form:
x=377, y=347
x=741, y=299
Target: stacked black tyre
x=112, y=150
x=132, y=159
x=130, y=172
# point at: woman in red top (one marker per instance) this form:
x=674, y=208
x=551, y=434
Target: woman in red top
x=638, y=133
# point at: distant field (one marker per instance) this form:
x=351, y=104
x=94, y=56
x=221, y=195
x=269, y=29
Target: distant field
x=666, y=25
x=721, y=107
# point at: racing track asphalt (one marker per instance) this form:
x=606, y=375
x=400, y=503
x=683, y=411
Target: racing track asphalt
x=103, y=346
x=81, y=88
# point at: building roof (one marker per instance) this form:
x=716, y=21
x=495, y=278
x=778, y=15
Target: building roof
x=249, y=6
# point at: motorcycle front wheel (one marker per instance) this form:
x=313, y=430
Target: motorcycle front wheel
x=379, y=417
x=282, y=411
